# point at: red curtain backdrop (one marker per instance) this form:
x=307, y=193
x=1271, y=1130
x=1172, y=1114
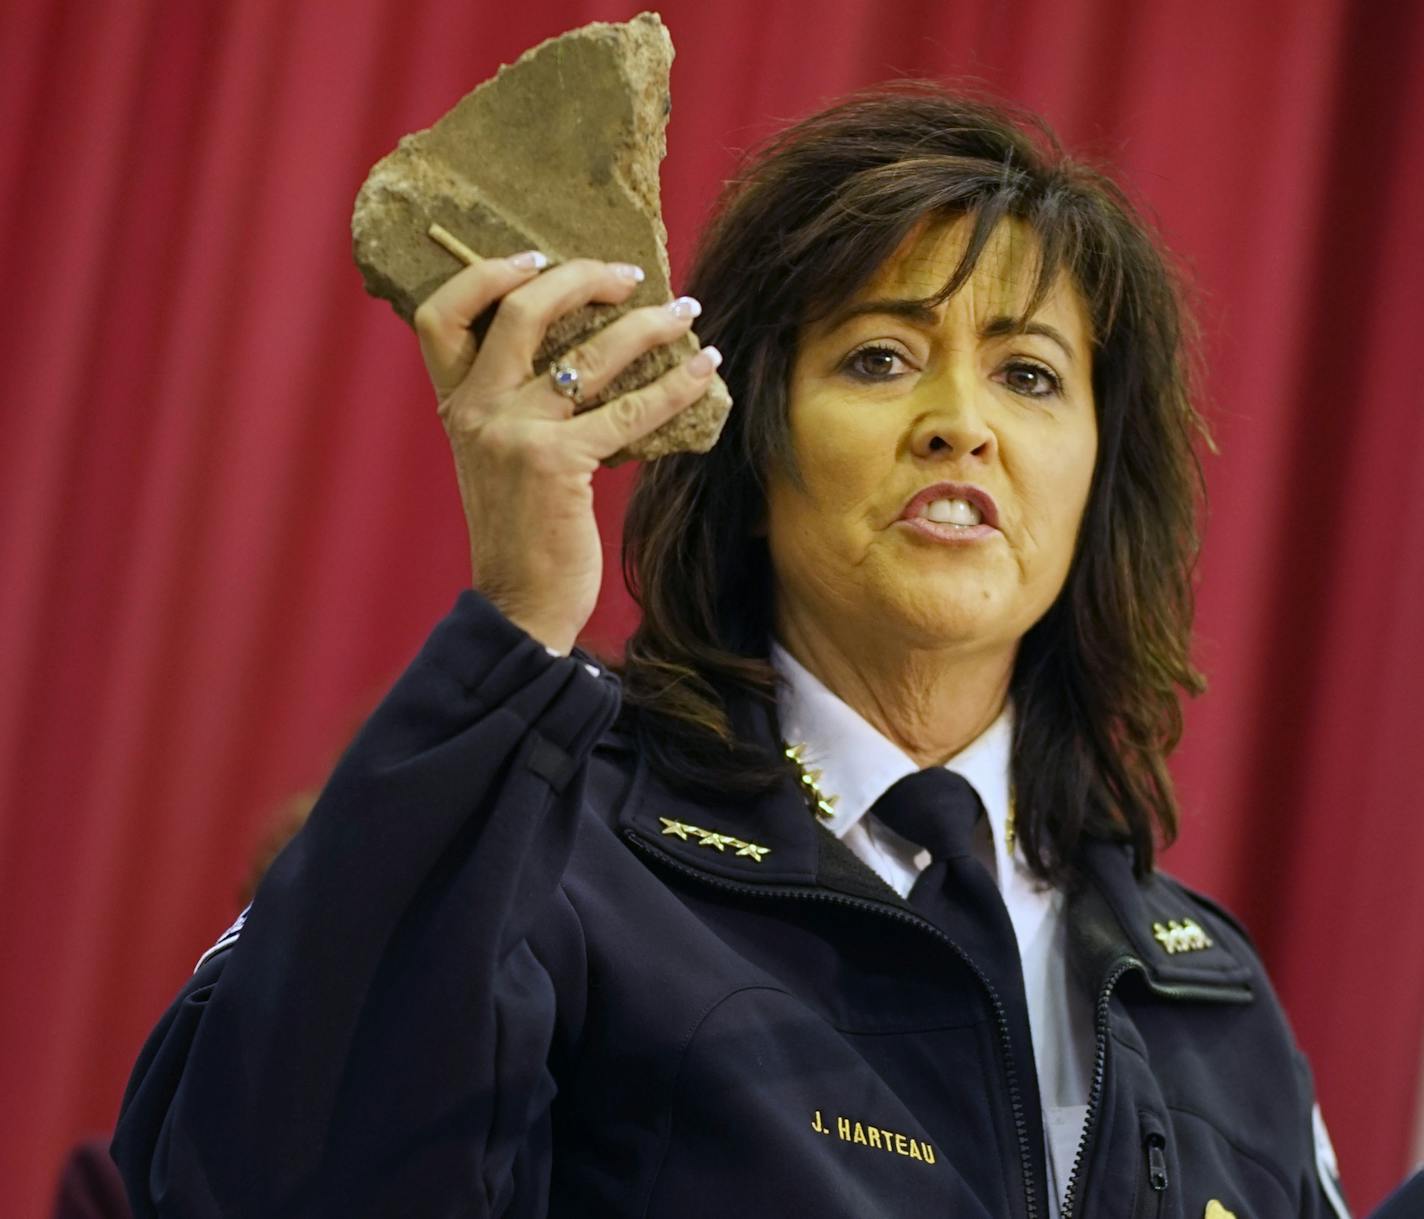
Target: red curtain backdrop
x=226, y=516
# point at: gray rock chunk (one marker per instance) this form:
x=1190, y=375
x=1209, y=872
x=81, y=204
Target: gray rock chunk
x=558, y=152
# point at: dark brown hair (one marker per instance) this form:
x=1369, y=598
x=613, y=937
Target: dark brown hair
x=803, y=227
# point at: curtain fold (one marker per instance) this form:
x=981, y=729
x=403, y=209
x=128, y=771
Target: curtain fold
x=226, y=513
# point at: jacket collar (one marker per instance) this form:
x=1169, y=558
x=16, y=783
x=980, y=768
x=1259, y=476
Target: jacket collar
x=1114, y=920
x=1183, y=948
x=772, y=839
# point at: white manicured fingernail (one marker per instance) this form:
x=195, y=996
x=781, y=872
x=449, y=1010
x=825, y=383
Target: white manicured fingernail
x=626, y=270
x=530, y=260
x=704, y=362
x=684, y=306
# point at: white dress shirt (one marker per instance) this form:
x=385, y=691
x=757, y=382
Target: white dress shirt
x=858, y=765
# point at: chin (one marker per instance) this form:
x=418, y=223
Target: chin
x=944, y=621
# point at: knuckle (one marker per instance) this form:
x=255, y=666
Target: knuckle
x=591, y=360
x=499, y=439
x=518, y=311
x=629, y=410
x=518, y=447
x=427, y=318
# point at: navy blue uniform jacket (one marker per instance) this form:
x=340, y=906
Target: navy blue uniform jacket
x=504, y=971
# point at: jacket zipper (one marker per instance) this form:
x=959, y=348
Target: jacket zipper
x=1095, y=1093
x=1157, y=1162
x=902, y=916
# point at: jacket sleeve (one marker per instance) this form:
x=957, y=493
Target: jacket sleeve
x=375, y=1039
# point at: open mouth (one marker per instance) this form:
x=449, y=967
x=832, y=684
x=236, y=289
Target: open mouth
x=953, y=506
x=959, y=512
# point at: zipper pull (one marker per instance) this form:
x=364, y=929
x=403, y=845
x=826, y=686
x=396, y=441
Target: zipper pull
x=1156, y=1162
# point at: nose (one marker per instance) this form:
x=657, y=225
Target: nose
x=949, y=422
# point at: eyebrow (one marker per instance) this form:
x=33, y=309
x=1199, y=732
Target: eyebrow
x=917, y=313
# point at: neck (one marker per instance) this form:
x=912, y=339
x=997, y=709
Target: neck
x=931, y=702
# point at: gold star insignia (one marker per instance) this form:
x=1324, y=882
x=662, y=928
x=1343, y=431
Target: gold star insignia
x=1183, y=936
x=710, y=838
x=1214, y=1210
x=823, y=804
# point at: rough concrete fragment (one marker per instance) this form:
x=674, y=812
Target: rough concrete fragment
x=558, y=152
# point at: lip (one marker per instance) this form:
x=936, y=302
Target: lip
x=977, y=496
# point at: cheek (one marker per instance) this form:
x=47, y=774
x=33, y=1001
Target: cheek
x=842, y=449
x=820, y=529
x=1081, y=470
x=1077, y=485
x=1055, y=495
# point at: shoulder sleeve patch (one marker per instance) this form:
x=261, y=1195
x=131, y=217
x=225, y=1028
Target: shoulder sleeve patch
x=1326, y=1166
x=226, y=940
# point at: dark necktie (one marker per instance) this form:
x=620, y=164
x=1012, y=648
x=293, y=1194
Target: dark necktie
x=937, y=809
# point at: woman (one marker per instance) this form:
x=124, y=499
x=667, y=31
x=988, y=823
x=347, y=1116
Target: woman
x=533, y=956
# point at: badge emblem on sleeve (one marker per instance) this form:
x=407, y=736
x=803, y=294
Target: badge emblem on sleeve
x=1326, y=1166
x=226, y=940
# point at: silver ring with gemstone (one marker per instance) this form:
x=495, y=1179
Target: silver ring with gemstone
x=565, y=380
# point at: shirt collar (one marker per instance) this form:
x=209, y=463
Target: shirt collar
x=858, y=764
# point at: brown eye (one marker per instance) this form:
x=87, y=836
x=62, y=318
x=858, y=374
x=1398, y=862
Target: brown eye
x=874, y=363
x=1031, y=380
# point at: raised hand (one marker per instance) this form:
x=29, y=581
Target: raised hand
x=524, y=459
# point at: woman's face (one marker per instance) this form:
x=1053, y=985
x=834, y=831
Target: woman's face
x=946, y=459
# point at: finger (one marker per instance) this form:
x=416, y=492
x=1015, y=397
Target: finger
x=616, y=424
x=527, y=312
x=442, y=321
x=618, y=344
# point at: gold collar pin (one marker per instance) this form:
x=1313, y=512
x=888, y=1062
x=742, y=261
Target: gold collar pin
x=1184, y=935
x=711, y=838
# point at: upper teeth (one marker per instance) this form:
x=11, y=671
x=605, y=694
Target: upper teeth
x=953, y=512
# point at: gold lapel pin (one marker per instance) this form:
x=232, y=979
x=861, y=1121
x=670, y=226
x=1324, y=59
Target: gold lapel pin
x=1214, y=1210
x=1181, y=935
x=711, y=838
x=823, y=805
